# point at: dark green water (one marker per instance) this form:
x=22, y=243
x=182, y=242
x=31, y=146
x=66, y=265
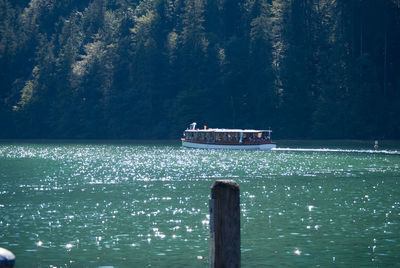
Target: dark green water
x=135, y=205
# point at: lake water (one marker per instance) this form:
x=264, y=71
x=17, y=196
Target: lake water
x=136, y=205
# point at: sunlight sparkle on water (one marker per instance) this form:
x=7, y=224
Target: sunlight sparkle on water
x=145, y=202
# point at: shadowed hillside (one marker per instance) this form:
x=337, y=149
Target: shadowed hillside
x=146, y=69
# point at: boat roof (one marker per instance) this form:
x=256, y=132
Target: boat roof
x=227, y=130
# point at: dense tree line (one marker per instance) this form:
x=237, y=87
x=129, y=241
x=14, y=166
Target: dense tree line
x=147, y=68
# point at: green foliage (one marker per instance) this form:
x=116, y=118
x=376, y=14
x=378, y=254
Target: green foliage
x=26, y=95
x=147, y=68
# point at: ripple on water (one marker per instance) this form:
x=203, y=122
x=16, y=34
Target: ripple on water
x=149, y=204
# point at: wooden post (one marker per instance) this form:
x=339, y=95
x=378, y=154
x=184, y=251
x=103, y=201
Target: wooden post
x=225, y=224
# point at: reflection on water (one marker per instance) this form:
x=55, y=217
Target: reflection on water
x=122, y=205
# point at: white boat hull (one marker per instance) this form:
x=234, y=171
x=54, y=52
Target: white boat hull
x=263, y=147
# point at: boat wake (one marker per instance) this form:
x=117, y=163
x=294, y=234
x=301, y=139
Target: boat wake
x=337, y=150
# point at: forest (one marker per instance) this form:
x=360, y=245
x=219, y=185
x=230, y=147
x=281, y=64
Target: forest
x=146, y=69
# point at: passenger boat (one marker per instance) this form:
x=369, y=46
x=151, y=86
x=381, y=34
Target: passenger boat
x=231, y=139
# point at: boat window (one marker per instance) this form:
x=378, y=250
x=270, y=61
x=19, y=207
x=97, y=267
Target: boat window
x=265, y=136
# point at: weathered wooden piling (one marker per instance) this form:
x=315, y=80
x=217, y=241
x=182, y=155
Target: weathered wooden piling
x=225, y=224
x=7, y=258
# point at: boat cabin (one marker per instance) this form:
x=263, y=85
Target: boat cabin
x=227, y=136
